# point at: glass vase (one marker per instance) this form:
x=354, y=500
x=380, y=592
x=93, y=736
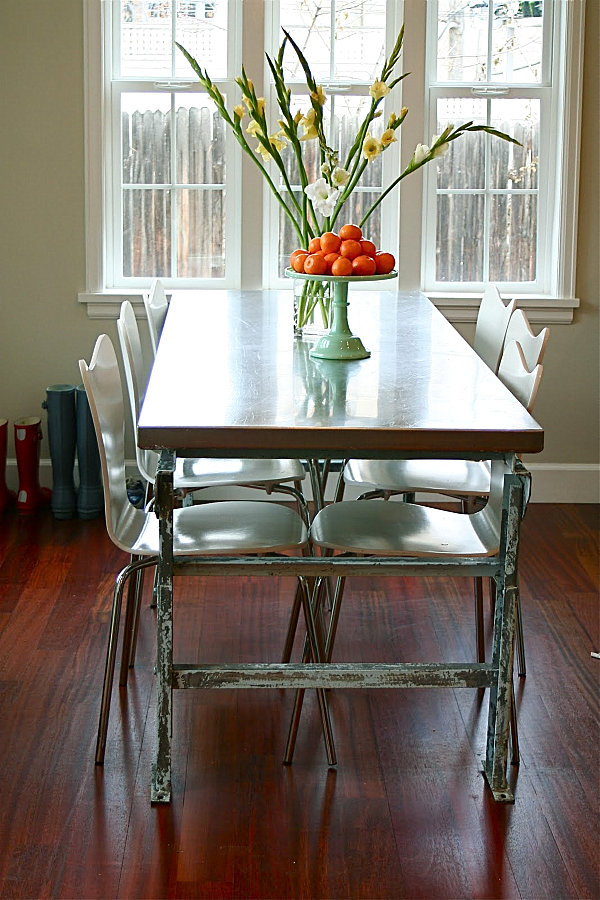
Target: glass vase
x=312, y=307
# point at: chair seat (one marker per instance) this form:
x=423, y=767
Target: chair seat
x=403, y=529
x=452, y=477
x=195, y=473
x=215, y=529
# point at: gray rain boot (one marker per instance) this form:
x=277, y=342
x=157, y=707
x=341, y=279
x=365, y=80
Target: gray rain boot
x=90, y=499
x=60, y=404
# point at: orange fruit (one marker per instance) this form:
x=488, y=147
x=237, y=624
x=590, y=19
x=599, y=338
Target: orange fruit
x=363, y=265
x=368, y=248
x=314, y=244
x=297, y=260
x=330, y=242
x=350, y=233
x=384, y=263
x=341, y=267
x=330, y=258
x=350, y=249
x=315, y=264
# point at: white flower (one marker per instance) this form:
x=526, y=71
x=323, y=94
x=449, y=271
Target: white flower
x=322, y=196
x=443, y=148
x=340, y=177
x=421, y=153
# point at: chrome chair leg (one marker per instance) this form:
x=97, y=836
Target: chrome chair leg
x=111, y=652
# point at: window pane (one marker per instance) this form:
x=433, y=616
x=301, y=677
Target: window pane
x=201, y=28
x=468, y=52
x=517, y=42
x=146, y=138
x=200, y=141
x=459, y=237
x=201, y=233
x=343, y=40
x=146, y=233
x=512, y=166
x=146, y=38
x=513, y=253
x=463, y=165
x=462, y=45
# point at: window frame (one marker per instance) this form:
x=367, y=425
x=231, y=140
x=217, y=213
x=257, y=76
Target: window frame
x=553, y=305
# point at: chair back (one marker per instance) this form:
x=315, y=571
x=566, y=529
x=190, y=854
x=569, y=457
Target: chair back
x=155, y=304
x=533, y=346
x=492, y=322
x=136, y=376
x=513, y=372
x=102, y=383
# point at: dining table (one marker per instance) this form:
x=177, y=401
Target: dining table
x=230, y=379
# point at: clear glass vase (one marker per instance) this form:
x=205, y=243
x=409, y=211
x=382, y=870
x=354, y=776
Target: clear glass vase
x=312, y=307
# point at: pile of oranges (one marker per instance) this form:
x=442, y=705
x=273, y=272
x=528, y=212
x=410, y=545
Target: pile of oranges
x=343, y=254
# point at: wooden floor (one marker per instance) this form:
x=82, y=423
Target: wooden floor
x=406, y=814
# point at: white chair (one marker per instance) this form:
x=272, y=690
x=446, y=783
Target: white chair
x=532, y=345
x=156, y=305
x=229, y=528
x=490, y=329
x=193, y=474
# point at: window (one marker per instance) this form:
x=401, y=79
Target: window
x=170, y=193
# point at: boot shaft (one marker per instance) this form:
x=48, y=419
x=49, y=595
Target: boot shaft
x=28, y=435
x=62, y=436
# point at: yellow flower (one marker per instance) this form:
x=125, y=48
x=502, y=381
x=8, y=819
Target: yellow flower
x=371, y=147
x=276, y=141
x=246, y=100
x=263, y=152
x=308, y=123
x=239, y=111
x=260, y=103
x=387, y=137
x=378, y=89
x=319, y=95
x=253, y=128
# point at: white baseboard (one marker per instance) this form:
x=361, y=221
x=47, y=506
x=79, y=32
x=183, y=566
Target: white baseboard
x=551, y=482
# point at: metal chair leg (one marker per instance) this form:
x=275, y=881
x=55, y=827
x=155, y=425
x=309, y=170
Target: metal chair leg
x=109, y=667
x=521, y=666
x=514, y=732
x=111, y=652
x=479, y=632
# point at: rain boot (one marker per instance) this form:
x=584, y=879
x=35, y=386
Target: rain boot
x=28, y=436
x=7, y=498
x=60, y=404
x=90, y=498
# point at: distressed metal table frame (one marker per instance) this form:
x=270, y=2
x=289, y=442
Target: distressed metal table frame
x=495, y=675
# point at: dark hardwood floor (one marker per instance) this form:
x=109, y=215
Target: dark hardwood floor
x=406, y=814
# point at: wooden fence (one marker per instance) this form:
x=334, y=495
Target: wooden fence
x=154, y=212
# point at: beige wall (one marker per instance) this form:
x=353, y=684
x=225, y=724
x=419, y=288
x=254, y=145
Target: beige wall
x=43, y=329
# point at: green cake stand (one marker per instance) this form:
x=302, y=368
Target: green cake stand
x=339, y=342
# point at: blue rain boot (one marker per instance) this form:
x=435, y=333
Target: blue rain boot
x=90, y=498
x=60, y=404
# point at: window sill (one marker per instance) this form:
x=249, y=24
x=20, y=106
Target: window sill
x=539, y=310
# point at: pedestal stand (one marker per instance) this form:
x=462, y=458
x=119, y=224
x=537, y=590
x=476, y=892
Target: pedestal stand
x=339, y=343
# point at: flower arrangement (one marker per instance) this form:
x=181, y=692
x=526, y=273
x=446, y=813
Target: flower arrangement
x=322, y=200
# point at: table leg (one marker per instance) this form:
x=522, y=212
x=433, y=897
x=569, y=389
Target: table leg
x=160, y=791
x=503, y=642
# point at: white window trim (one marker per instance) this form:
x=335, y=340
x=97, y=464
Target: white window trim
x=458, y=306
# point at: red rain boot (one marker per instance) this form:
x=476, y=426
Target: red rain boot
x=28, y=434
x=7, y=498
